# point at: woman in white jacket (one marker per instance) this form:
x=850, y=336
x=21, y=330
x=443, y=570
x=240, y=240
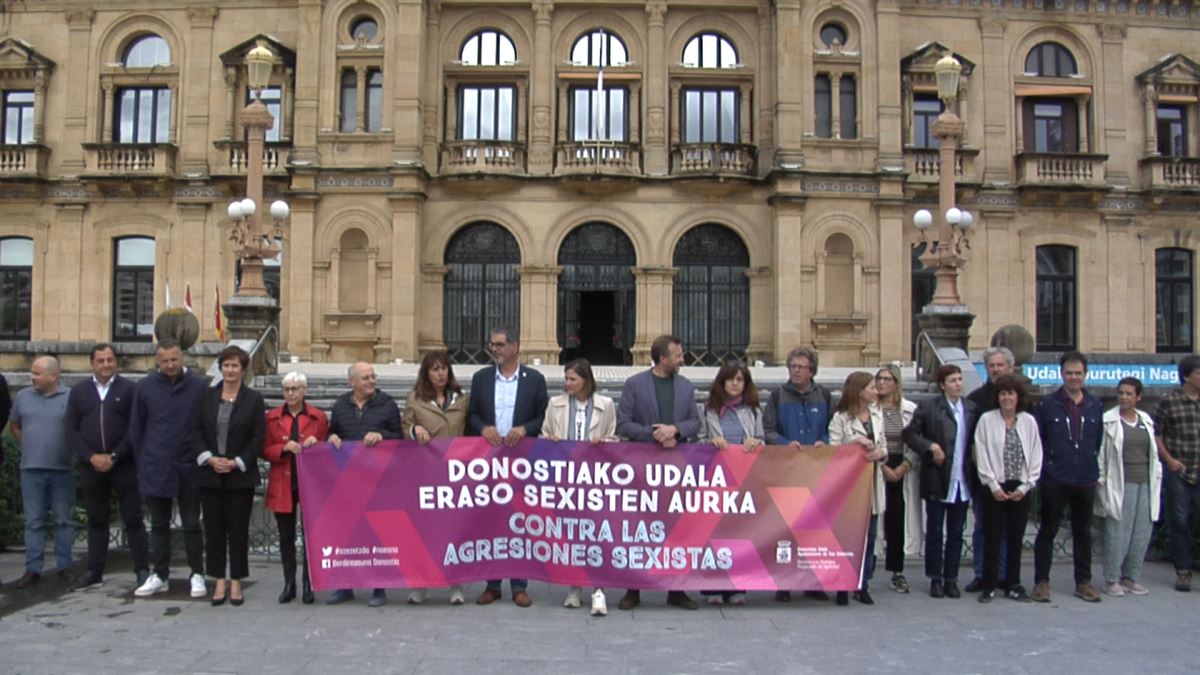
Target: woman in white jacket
x=580, y=414
x=1008, y=457
x=903, y=507
x=1128, y=496
x=858, y=419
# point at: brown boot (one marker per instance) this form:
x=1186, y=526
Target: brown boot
x=1087, y=592
x=1041, y=592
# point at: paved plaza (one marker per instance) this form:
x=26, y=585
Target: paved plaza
x=106, y=631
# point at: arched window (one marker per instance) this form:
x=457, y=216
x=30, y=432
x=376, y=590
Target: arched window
x=488, y=48
x=1173, y=284
x=599, y=48
x=839, y=275
x=146, y=52
x=482, y=289
x=1056, y=298
x=712, y=295
x=352, y=271
x=710, y=50
x=596, y=295
x=1050, y=59
x=16, y=287
x=133, y=289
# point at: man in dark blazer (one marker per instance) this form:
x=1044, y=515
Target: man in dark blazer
x=98, y=411
x=507, y=403
x=659, y=406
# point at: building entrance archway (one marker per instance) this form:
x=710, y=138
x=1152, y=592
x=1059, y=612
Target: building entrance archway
x=596, y=310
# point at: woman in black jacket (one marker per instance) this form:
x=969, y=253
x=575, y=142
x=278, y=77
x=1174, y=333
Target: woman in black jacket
x=941, y=432
x=227, y=437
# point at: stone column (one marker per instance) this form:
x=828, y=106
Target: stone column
x=110, y=107
x=405, y=59
x=434, y=86
x=406, y=312
x=360, y=98
x=892, y=265
x=764, y=87
x=306, y=123
x=794, y=271
x=539, y=312
x=792, y=74
x=231, y=106
x=891, y=116
x=1112, y=125
x=541, y=90
x=655, y=152
x=835, y=104
x=60, y=293
x=193, y=108
x=298, y=268
x=655, y=301
x=76, y=109
x=1149, y=119
x=996, y=102
x=762, y=313
x=433, y=287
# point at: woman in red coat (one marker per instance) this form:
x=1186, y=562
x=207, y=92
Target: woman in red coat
x=291, y=427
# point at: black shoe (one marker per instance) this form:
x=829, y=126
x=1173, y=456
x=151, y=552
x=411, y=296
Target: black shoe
x=1017, y=593
x=681, y=600
x=783, y=596
x=236, y=602
x=975, y=586
x=843, y=598
x=307, y=596
x=864, y=596
x=89, y=580
x=936, y=590
x=987, y=596
x=289, y=592
x=952, y=590
x=339, y=596
x=378, y=598
x=817, y=595
x=631, y=599
x=28, y=579
x=217, y=602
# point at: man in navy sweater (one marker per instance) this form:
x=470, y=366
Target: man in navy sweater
x=98, y=412
x=1069, y=421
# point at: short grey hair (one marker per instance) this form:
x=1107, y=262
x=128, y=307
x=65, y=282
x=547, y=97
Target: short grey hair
x=1002, y=351
x=53, y=367
x=350, y=369
x=295, y=377
x=509, y=332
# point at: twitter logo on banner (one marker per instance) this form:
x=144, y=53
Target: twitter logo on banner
x=326, y=550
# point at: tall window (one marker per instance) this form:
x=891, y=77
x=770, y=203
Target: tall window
x=372, y=101
x=1173, y=284
x=272, y=97
x=1051, y=125
x=848, y=107
x=599, y=114
x=710, y=116
x=16, y=285
x=712, y=295
x=1172, y=131
x=488, y=48
x=487, y=112
x=1050, y=59
x=143, y=115
x=823, y=91
x=374, y=112
x=926, y=108
x=1056, y=298
x=18, y=117
x=709, y=50
x=482, y=289
x=846, y=122
x=349, y=107
x=133, y=289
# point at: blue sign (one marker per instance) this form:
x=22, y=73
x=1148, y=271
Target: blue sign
x=1100, y=374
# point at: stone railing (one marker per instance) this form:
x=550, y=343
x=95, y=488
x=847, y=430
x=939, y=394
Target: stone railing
x=924, y=165
x=713, y=158
x=483, y=157
x=23, y=161
x=602, y=158
x=1060, y=169
x=123, y=159
x=236, y=158
x=1171, y=173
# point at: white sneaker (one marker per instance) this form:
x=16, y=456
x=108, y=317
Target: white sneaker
x=737, y=599
x=1114, y=589
x=599, y=604
x=573, y=597
x=456, y=595
x=199, y=587
x=152, y=585
x=417, y=596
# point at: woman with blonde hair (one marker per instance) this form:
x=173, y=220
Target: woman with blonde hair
x=902, y=499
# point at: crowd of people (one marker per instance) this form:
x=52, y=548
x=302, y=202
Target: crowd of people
x=175, y=442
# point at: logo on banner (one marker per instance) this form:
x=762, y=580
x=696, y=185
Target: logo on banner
x=783, y=551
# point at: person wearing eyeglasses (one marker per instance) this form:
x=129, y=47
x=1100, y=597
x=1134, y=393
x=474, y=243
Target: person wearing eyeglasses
x=901, y=492
x=291, y=427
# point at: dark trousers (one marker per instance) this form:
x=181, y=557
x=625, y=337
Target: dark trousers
x=160, y=530
x=869, y=553
x=1055, y=497
x=227, y=527
x=948, y=520
x=1183, y=502
x=979, y=541
x=1004, y=525
x=97, y=489
x=893, y=520
x=286, y=522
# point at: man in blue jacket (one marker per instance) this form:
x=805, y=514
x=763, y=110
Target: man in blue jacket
x=1069, y=421
x=159, y=431
x=98, y=412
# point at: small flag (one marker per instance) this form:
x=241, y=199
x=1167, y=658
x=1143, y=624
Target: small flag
x=187, y=298
x=217, y=323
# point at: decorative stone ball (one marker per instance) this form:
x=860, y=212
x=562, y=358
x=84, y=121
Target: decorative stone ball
x=179, y=325
x=1017, y=338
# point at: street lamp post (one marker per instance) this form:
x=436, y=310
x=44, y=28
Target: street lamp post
x=946, y=319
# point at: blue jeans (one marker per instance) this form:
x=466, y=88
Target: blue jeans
x=518, y=585
x=43, y=490
x=1183, y=501
x=942, y=563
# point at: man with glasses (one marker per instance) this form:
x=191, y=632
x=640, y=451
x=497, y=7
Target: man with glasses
x=798, y=414
x=368, y=415
x=507, y=403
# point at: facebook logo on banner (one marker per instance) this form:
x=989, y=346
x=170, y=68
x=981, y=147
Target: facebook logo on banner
x=1100, y=374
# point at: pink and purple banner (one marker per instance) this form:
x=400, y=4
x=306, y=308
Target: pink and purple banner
x=621, y=515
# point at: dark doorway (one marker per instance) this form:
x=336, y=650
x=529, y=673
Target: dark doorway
x=597, y=330
x=923, y=285
x=596, y=295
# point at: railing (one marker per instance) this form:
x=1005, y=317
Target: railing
x=1171, y=173
x=925, y=164
x=1060, y=169
x=599, y=157
x=709, y=158
x=483, y=157
x=130, y=158
x=27, y=160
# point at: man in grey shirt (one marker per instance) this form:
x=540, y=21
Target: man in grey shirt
x=38, y=422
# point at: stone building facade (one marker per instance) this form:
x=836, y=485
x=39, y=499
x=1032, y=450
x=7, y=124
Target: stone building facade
x=742, y=173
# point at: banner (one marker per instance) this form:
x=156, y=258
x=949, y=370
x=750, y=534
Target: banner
x=619, y=515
